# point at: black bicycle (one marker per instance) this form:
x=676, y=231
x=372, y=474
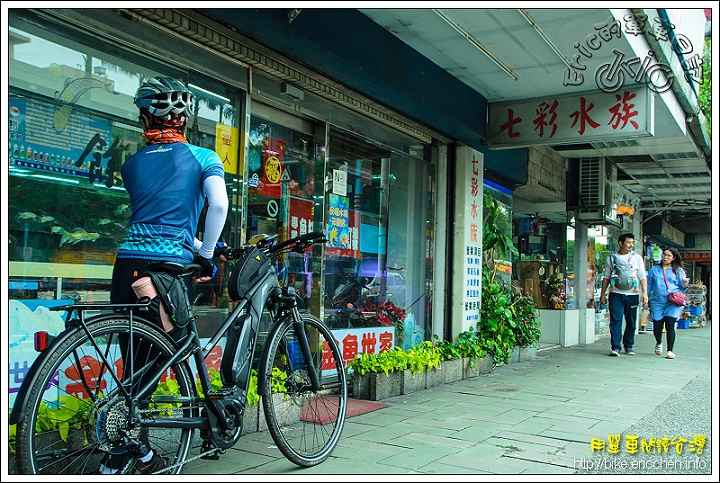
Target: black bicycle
x=113, y=382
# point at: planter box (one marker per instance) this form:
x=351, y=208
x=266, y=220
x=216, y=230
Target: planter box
x=285, y=412
x=486, y=364
x=251, y=416
x=382, y=386
x=453, y=370
x=413, y=381
x=435, y=377
x=522, y=353
x=361, y=386
x=468, y=370
x=482, y=366
x=526, y=353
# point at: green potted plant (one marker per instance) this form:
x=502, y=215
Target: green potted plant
x=496, y=330
x=387, y=314
x=527, y=327
x=497, y=320
x=474, y=356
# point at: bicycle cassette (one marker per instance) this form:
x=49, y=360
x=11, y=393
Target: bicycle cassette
x=112, y=426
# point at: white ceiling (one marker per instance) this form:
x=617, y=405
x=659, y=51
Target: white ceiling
x=666, y=171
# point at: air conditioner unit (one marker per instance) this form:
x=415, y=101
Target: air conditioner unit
x=598, y=181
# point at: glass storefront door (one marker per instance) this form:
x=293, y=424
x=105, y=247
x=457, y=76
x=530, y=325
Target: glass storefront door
x=281, y=167
x=378, y=219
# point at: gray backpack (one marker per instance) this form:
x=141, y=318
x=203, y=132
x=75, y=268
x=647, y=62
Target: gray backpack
x=625, y=279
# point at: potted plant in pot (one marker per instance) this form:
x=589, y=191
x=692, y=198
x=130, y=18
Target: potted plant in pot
x=475, y=359
x=497, y=320
x=387, y=314
x=527, y=326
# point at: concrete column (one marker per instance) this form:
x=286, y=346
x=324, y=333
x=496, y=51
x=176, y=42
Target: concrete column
x=580, y=265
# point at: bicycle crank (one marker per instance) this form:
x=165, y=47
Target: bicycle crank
x=225, y=432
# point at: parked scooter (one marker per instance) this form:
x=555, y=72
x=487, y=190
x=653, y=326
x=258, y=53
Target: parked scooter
x=347, y=300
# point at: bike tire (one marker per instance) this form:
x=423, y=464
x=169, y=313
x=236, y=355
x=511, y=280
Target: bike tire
x=72, y=405
x=305, y=425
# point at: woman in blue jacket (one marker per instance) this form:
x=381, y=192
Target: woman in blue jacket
x=662, y=312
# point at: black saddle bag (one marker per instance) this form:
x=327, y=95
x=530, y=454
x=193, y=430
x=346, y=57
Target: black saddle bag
x=174, y=295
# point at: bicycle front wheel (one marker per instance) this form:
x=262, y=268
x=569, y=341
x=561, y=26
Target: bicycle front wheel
x=305, y=424
x=76, y=418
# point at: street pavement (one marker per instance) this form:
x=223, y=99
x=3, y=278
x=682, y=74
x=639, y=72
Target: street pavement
x=556, y=414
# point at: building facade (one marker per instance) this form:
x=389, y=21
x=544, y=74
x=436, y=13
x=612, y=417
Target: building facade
x=386, y=153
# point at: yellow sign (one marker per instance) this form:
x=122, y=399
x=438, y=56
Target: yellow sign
x=272, y=169
x=226, y=145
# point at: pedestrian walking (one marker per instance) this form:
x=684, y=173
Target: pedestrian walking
x=666, y=277
x=625, y=275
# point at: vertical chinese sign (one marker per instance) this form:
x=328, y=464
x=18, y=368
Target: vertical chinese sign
x=468, y=238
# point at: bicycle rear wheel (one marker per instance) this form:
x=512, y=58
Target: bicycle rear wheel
x=75, y=417
x=305, y=424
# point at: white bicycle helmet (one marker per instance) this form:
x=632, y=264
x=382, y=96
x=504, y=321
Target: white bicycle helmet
x=162, y=96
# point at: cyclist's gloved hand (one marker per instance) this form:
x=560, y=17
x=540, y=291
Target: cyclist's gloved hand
x=208, y=267
x=221, y=251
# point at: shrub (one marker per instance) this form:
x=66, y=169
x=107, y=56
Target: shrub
x=527, y=326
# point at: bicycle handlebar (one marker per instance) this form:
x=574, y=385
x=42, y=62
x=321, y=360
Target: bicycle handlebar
x=267, y=244
x=301, y=242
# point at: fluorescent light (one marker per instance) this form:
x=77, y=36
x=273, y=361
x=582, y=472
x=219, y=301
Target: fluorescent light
x=476, y=43
x=542, y=34
x=193, y=86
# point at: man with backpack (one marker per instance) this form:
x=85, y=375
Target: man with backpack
x=625, y=274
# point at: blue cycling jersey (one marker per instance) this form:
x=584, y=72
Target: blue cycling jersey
x=165, y=183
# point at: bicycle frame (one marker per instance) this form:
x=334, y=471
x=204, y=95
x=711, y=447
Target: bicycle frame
x=236, y=364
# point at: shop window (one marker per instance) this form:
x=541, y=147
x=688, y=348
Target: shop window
x=72, y=124
x=281, y=167
x=378, y=218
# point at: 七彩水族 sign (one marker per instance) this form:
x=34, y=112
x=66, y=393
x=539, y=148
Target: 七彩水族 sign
x=577, y=118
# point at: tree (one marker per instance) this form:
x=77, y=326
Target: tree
x=705, y=94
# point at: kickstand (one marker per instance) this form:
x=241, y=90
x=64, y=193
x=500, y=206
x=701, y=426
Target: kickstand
x=208, y=446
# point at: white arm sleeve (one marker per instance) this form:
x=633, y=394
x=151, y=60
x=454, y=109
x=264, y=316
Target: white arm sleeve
x=214, y=187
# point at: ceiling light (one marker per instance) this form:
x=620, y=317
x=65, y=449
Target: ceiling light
x=476, y=43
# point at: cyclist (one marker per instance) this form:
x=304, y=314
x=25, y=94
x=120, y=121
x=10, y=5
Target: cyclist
x=168, y=182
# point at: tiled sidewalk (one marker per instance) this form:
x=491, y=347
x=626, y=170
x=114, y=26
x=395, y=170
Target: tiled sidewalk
x=533, y=417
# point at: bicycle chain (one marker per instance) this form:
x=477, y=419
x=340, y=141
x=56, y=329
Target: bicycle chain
x=187, y=460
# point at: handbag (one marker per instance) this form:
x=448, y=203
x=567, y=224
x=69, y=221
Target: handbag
x=676, y=298
x=645, y=318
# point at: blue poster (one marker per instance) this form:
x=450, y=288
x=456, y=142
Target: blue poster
x=84, y=147
x=338, y=221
